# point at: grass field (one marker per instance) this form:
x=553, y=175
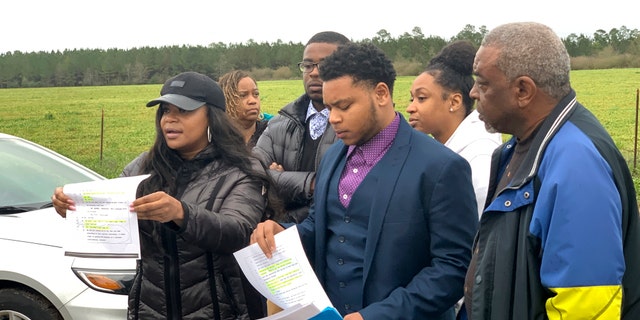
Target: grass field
x=69, y=120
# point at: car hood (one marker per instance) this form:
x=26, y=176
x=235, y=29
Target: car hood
x=44, y=227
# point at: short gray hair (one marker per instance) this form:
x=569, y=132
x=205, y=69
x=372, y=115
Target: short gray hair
x=534, y=50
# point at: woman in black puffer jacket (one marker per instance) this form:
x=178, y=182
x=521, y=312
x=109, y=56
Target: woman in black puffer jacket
x=204, y=196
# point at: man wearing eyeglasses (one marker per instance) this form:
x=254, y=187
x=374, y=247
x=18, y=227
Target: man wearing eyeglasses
x=297, y=137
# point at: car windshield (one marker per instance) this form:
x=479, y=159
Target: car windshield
x=29, y=174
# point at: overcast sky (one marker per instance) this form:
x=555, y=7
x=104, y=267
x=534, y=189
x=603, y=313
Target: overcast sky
x=45, y=25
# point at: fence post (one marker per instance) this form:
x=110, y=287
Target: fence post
x=102, y=133
x=635, y=139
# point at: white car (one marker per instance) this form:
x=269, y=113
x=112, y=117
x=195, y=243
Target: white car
x=37, y=281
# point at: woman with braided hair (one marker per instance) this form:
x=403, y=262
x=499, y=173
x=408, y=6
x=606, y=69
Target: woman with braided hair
x=243, y=105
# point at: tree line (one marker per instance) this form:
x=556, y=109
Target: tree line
x=619, y=47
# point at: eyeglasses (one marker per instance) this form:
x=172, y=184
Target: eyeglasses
x=307, y=67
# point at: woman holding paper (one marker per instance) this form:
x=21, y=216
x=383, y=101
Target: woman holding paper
x=205, y=195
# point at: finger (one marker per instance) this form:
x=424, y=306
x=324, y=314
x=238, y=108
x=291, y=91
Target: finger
x=61, y=202
x=271, y=228
x=258, y=236
x=57, y=205
x=153, y=200
x=159, y=207
x=254, y=236
x=58, y=192
x=143, y=200
x=269, y=239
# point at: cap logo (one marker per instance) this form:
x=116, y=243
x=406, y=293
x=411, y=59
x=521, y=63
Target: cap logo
x=189, y=91
x=177, y=83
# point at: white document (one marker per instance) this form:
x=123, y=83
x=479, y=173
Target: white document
x=286, y=279
x=102, y=225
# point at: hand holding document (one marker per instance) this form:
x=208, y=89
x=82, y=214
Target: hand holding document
x=286, y=279
x=102, y=225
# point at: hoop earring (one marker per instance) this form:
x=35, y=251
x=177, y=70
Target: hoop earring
x=209, y=134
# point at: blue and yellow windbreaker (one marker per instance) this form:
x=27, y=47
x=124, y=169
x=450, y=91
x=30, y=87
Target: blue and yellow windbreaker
x=562, y=241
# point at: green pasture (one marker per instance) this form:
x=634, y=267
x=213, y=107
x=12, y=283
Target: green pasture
x=69, y=120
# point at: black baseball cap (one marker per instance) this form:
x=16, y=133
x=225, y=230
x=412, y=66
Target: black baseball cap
x=190, y=91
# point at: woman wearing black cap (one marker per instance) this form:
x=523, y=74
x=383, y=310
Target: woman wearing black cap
x=201, y=202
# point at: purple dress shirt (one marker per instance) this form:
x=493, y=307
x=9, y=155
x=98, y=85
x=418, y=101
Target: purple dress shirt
x=360, y=160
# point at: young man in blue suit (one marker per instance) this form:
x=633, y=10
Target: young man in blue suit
x=391, y=228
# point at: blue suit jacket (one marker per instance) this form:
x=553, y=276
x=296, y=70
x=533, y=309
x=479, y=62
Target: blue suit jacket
x=421, y=228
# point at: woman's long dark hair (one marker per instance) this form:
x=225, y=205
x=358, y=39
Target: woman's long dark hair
x=227, y=146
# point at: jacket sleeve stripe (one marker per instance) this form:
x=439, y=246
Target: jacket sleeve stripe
x=599, y=302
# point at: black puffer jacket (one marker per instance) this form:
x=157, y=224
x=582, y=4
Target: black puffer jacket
x=189, y=272
x=282, y=142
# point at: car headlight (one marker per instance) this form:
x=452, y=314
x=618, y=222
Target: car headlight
x=110, y=281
